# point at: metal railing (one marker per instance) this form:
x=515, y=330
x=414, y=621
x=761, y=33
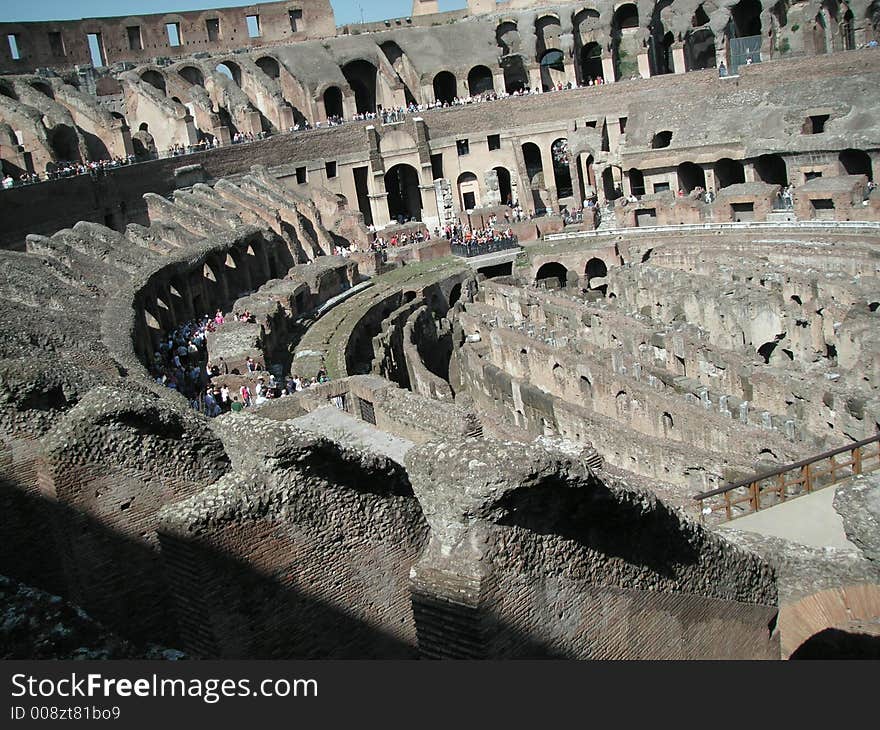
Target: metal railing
x=750, y=225
x=469, y=250
x=790, y=481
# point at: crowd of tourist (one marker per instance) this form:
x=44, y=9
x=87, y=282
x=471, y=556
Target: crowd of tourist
x=219, y=398
x=244, y=137
x=181, y=363
x=62, y=169
x=176, y=150
x=178, y=362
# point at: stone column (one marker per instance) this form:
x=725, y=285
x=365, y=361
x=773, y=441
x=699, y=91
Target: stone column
x=678, y=62
x=430, y=212
x=608, y=69
x=644, y=65
x=285, y=118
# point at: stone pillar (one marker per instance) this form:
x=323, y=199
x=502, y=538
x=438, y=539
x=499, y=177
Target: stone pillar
x=608, y=69
x=285, y=118
x=444, y=200
x=678, y=62
x=430, y=211
x=493, y=194
x=709, y=174
x=644, y=65
x=349, y=106
x=570, y=71
x=253, y=122
x=498, y=81
x=535, y=77
x=223, y=135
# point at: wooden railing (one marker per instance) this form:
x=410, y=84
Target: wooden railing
x=794, y=480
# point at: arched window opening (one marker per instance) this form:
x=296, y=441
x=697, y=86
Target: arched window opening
x=333, y=102
x=516, y=78
x=43, y=88
x=591, y=62
x=595, y=269
x=480, y=81
x=154, y=79
x=552, y=69
x=192, y=75
x=552, y=275
x=626, y=18
x=505, y=188
x=690, y=177
x=534, y=164
x=64, y=144
x=562, y=168
x=468, y=191
x=771, y=169
x=729, y=172
x=856, y=162
x=404, y=196
x=231, y=71
x=362, y=77
x=661, y=140
x=636, y=181
x=269, y=66
x=445, y=87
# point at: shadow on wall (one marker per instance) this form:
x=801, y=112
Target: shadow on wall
x=601, y=521
x=285, y=623
x=35, y=532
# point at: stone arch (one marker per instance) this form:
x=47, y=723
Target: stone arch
x=699, y=42
x=548, y=28
x=468, y=191
x=404, y=196
x=596, y=268
x=636, y=181
x=625, y=18
x=230, y=70
x=552, y=275
x=771, y=169
x=269, y=65
x=814, y=614
x=661, y=139
x=445, y=87
x=362, y=76
x=44, y=88
x=507, y=37
x=516, y=77
x=856, y=162
x=7, y=90
x=690, y=176
x=729, y=172
x=64, y=143
x=552, y=64
x=192, y=75
x=561, y=157
x=480, y=81
x=333, y=102
x=534, y=163
x=505, y=185
x=745, y=19
x=155, y=79
x=591, y=62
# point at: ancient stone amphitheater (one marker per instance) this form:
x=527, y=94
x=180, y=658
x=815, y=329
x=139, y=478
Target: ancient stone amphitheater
x=643, y=425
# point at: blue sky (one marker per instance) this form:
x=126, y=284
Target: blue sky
x=347, y=11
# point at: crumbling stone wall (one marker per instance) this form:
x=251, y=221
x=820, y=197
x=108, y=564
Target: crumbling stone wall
x=531, y=555
x=114, y=461
x=303, y=552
